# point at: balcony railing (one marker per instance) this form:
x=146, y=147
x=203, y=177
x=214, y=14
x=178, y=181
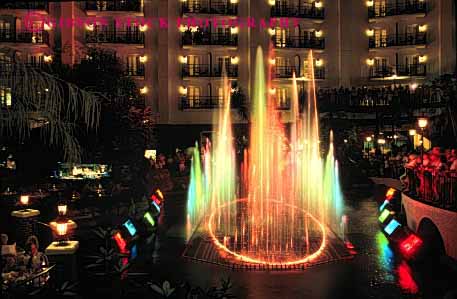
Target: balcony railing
x=137, y=71
x=205, y=70
x=411, y=70
x=283, y=105
x=208, y=39
x=211, y=7
x=120, y=37
x=41, y=5
x=299, y=42
x=306, y=10
x=201, y=102
x=114, y=5
x=398, y=40
x=395, y=9
x=11, y=36
x=286, y=72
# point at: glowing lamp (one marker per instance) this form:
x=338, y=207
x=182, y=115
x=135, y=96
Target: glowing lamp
x=272, y=91
x=413, y=86
x=183, y=28
x=62, y=229
x=318, y=4
x=143, y=27
x=159, y=193
x=384, y=205
x=193, y=28
x=234, y=30
x=345, y=141
x=369, y=3
x=423, y=28
x=183, y=1
x=412, y=132
x=271, y=31
x=47, y=26
x=234, y=60
x=368, y=139
x=130, y=227
x=156, y=206
x=392, y=226
x=89, y=27
x=148, y=217
x=370, y=61
x=272, y=61
x=156, y=199
x=272, y=2
x=144, y=90
x=384, y=215
x=62, y=209
x=390, y=193
x=422, y=122
x=319, y=62
x=47, y=58
x=318, y=33
x=24, y=200
x=182, y=90
x=381, y=141
x=423, y=58
x=143, y=58
x=233, y=1
x=410, y=245
x=182, y=59
x=121, y=244
x=369, y=32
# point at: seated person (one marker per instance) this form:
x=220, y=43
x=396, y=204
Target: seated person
x=8, y=254
x=34, y=260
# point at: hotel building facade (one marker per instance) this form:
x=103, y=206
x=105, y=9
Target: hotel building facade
x=178, y=66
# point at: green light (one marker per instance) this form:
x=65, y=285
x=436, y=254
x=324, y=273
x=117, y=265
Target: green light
x=384, y=215
x=149, y=219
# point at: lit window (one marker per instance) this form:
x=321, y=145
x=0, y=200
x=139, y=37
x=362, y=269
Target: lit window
x=5, y=96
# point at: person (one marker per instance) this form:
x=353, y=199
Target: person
x=35, y=260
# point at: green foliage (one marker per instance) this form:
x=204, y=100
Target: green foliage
x=185, y=290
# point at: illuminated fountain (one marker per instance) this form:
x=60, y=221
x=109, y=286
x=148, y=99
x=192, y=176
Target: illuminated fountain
x=279, y=206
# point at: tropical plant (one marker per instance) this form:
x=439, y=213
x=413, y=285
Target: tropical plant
x=185, y=290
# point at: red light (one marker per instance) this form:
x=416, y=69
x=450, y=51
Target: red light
x=349, y=245
x=156, y=199
x=120, y=243
x=410, y=244
x=390, y=193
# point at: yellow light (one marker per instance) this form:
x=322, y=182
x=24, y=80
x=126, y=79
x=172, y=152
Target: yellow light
x=61, y=229
x=232, y=90
x=183, y=28
x=143, y=28
x=150, y=154
x=144, y=90
x=381, y=141
x=234, y=60
x=318, y=33
x=370, y=61
x=345, y=141
x=319, y=62
x=182, y=59
x=272, y=61
x=369, y=3
x=89, y=27
x=272, y=91
x=413, y=86
x=423, y=58
x=423, y=28
x=183, y=0
x=194, y=28
x=234, y=30
x=47, y=26
x=182, y=90
x=143, y=58
x=412, y=132
x=369, y=139
x=62, y=209
x=271, y=31
x=47, y=58
x=24, y=200
x=318, y=4
x=272, y=2
x=422, y=122
x=233, y=1
x=369, y=32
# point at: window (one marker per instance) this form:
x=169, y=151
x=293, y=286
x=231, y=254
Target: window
x=380, y=8
x=282, y=97
x=380, y=37
x=193, y=95
x=5, y=96
x=221, y=61
x=281, y=36
x=5, y=30
x=193, y=63
x=133, y=65
x=35, y=60
x=380, y=63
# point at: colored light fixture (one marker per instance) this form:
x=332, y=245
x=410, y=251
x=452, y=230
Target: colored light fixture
x=384, y=215
x=392, y=226
x=62, y=209
x=130, y=227
x=390, y=193
x=24, y=200
x=159, y=193
x=149, y=219
x=410, y=245
x=121, y=244
x=156, y=206
x=384, y=205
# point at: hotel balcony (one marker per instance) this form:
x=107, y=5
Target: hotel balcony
x=303, y=10
x=135, y=71
x=10, y=36
x=201, y=102
x=201, y=38
x=115, y=37
x=396, y=9
x=283, y=105
x=205, y=70
x=398, y=40
x=286, y=72
x=114, y=5
x=39, y=5
x=299, y=42
x=211, y=7
x=397, y=73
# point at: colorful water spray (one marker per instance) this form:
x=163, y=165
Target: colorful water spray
x=275, y=208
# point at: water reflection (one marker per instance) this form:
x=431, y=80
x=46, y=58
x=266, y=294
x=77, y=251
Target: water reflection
x=405, y=279
x=385, y=257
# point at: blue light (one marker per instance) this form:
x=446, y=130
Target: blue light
x=384, y=204
x=392, y=226
x=156, y=205
x=133, y=252
x=130, y=227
